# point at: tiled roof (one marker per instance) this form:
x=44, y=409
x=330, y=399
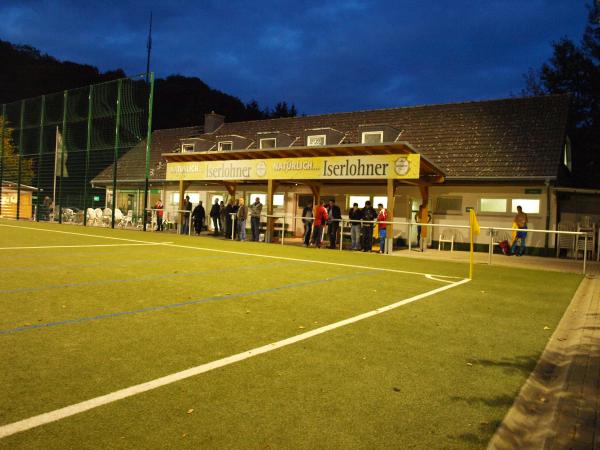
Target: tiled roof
x=515, y=137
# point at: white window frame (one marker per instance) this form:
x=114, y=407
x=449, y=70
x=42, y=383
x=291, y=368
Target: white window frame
x=506, y=203
x=308, y=138
x=188, y=148
x=524, y=203
x=372, y=133
x=268, y=139
x=222, y=143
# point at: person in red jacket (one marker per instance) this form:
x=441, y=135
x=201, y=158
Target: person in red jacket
x=381, y=218
x=321, y=219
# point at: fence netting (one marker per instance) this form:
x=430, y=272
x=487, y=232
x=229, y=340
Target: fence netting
x=53, y=146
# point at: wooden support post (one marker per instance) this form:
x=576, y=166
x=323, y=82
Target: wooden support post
x=316, y=191
x=424, y=188
x=271, y=188
x=391, y=200
x=231, y=187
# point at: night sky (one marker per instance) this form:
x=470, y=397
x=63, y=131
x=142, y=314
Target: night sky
x=323, y=56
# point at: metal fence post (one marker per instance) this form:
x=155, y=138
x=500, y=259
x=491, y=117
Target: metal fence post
x=41, y=155
x=341, y=234
x=88, y=145
x=2, y=152
x=148, y=145
x=282, y=230
x=409, y=238
x=491, y=249
x=584, y=251
x=116, y=154
x=62, y=156
x=20, y=166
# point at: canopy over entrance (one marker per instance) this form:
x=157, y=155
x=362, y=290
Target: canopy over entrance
x=390, y=165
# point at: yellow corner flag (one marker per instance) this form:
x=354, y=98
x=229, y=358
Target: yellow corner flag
x=474, y=230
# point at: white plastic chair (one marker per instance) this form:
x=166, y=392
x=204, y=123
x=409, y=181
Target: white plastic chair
x=118, y=217
x=107, y=216
x=128, y=219
x=90, y=215
x=99, y=216
x=565, y=241
x=446, y=236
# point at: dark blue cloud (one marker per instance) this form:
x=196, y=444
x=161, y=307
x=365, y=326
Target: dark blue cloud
x=338, y=55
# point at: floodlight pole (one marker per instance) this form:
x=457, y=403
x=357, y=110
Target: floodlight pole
x=148, y=143
x=117, y=143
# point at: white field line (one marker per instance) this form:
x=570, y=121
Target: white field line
x=82, y=246
x=258, y=255
x=62, y=413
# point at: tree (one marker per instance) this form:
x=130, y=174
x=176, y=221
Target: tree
x=10, y=158
x=575, y=69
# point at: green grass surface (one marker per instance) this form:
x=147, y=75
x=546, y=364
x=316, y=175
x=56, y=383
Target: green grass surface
x=77, y=323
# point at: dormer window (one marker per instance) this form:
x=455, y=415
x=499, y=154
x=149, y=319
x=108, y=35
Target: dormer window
x=225, y=145
x=372, y=137
x=268, y=143
x=316, y=140
x=187, y=148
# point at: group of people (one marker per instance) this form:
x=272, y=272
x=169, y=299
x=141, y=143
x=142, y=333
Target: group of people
x=228, y=220
x=362, y=224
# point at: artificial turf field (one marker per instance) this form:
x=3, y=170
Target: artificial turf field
x=86, y=312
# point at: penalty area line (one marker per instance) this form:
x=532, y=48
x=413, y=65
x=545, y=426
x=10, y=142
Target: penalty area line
x=62, y=413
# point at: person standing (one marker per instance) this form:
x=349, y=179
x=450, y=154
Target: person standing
x=255, y=210
x=422, y=216
x=222, y=216
x=335, y=217
x=236, y=207
x=199, y=214
x=307, y=220
x=187, y=209
x=382, y=226
x=369, y=216
x=520, y=220
x=242, y=215
x=355, y=215
x=320, y=221
x=228, y=219
x=158, y=206
x=215, y=212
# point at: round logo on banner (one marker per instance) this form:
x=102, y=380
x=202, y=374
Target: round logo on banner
x=261, y=169
x=402, y=166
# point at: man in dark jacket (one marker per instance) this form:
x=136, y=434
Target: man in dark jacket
x=215, y=212
x=198, y=215
x=355, y=215
x=228, y=219
x=307, y=220
x=335, y=217
x=369, y=216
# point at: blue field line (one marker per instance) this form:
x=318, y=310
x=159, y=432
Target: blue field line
x=151, y=277
x=213, y=298
x=155, y=261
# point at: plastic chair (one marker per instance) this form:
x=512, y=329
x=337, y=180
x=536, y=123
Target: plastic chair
x=128, y=219
x=565, y=241
x=99, y=216
x=446, y=236
x=118, y=217
x=107, y=216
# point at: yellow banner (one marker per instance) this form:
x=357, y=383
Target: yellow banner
x=316, y=168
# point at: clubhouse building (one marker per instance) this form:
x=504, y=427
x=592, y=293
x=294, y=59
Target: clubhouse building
x=487, y=155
